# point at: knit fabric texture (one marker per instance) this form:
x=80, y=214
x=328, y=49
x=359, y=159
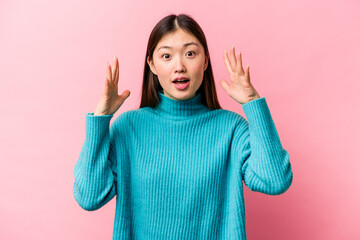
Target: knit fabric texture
x=177, y=170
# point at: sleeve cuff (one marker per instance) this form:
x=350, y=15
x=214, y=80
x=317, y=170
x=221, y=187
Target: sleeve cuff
x=97, y=124
x=92, y=114
x=257, y=110
x=259, y=117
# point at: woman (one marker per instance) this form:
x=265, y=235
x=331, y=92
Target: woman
x=177, y=163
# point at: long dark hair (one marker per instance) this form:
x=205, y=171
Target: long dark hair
x=151, y=85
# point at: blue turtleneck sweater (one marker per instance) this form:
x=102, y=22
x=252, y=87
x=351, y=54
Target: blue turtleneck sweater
x=177, y=170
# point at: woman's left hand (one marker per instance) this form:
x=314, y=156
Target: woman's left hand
x=241, y=89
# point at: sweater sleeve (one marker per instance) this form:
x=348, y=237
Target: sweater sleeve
x=265, y=165
x=95, y=169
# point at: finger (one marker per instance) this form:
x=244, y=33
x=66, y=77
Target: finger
x=126, y=94
x=247, y=73
x=227, y=62
x=113, y=73
x=117, y=72
x=122, y=97
x=232, y=58
x=105, y=90
x=241, y=69
x=225, y=85
x=108, y=73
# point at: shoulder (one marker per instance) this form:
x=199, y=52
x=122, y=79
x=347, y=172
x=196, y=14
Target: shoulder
x=130, y=115
x=126, y=120
x=236, y=124
x=229, y=116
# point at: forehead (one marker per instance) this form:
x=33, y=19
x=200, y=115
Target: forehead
x=178, y=39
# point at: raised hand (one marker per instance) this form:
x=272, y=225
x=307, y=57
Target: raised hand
x=110, y=101
x=241, y=89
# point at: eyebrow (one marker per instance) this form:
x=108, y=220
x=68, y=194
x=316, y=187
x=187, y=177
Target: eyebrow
x=185, y=45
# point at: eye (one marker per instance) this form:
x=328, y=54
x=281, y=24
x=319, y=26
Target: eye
x=191, y=52
x=164, y=55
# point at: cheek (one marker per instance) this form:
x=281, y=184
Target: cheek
x=163, y=69
x=197, y=70
x=164, y=76
x=163, y=73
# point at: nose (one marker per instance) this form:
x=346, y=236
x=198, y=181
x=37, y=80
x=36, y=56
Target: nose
x=179, y=65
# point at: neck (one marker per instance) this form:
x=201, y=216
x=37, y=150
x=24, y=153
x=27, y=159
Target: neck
x=180, y=110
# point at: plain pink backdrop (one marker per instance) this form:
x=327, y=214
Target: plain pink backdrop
x=303, y=57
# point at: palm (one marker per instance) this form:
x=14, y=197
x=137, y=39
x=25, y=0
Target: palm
x=241, y=89
x=110, y=101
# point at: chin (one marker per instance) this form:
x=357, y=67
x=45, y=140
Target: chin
x=181, y=95
x=186, y=97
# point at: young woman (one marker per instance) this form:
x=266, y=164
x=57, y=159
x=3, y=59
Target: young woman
x=177, y=163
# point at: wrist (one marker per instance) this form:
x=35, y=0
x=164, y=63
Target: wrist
x=98, y=114
x=254, y=98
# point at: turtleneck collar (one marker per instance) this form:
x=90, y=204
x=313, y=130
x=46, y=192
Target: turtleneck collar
x=180, y=110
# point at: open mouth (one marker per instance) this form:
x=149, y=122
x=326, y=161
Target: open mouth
x=181, y=81
x=181, y=84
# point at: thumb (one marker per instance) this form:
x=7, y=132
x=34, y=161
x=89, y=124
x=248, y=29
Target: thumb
x=225, y=85
x=125, y=94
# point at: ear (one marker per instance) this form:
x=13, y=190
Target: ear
x=206, y=63
x=151, y=65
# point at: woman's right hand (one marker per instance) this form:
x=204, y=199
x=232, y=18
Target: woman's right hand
x=110, y=101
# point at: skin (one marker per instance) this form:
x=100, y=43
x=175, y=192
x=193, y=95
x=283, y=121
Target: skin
x=241, y=89
x=185, y=61
x=110, y=101
x=190, y=62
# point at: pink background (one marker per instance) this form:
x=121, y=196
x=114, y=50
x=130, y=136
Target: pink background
x=303, y=57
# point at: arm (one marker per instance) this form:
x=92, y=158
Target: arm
x=265, y=165
x=95, y=170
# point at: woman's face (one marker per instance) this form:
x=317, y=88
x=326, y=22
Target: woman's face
x=179, y=54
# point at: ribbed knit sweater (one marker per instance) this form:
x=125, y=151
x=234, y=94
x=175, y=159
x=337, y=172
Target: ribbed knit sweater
x=177, y=170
